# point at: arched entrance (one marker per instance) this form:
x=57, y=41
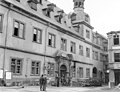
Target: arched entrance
x=63, y=74
x=94, y=72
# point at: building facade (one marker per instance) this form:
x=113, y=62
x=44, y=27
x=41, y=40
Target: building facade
x=38, y=38
x=114, y=51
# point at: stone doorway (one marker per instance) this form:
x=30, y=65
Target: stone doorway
x=63, y=75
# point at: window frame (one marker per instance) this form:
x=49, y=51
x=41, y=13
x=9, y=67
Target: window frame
x=63, y=45
x=52, y=35
x=87, y=34
x=51, y=71
x=81, y=52
x=87, y=73
x=21, y=66
x=1, y=23
x=117, y=58
x=87, y=52
x=23, y=33
x=116, y=37
x=35, y=68
x=80, y=71
x=40, y=38
x=74, y=48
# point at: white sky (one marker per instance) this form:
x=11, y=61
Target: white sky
x=104, y=14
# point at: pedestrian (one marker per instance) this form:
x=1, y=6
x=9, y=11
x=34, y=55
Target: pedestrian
x=44, y=82
x=41, y=80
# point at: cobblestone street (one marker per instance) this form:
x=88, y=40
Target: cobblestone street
x=59, y=89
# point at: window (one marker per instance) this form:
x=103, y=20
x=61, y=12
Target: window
x=59, y=17
x=93, y=54
x=76, y=28
x=72, y=71
x=96, y=55
x=87, y=34
x=116, y=39
x=87, y=52
x=87, y=72
x=33, y=4
x=86, y=18
x=37, y=35
x=1, y=22
x=50, y=69
x=63, y=44
x=73, y=17
x=81, y=50
x=16, y=65
x=35, y=68
x=80, y=72
x=72, y=48
x=117, y=57
x=18, y=29
x=40, y=1
x=51, y=40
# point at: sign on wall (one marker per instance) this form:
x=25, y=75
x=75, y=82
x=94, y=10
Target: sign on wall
x=8, y=75
x=1, y=73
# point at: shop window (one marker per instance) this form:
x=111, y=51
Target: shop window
x=50, y=69
x=16, y=66
x=35, y=68
x=80, y=72
x=87, y=72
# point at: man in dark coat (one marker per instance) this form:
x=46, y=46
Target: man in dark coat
x=44, y=83
x=41, y=82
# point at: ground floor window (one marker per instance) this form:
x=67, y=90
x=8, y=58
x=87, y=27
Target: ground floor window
x=16, y=65
x=72, y=71
x=87, y=72
x=50, y=69
x=35, y=67
x=80, y=72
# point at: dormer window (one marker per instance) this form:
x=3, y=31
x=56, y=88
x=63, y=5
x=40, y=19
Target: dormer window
x=18, y=0
x=76, y=28
x=60, y=16
x=73, y=17
x=33, y=4
x=50, y=8
x=40, y=1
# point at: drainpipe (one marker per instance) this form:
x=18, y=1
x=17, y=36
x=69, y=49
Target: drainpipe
x=4, y=59
x=44, y=67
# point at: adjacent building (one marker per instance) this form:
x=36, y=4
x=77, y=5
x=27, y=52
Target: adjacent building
x=37, y=37
x=114, y=54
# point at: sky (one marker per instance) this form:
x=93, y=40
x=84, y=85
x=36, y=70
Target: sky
x=104, y=14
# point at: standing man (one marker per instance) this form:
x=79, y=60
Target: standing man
x=41, y=81
x=44, y=82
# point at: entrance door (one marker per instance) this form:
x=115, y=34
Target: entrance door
x=117, y=77
x=63, y=75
